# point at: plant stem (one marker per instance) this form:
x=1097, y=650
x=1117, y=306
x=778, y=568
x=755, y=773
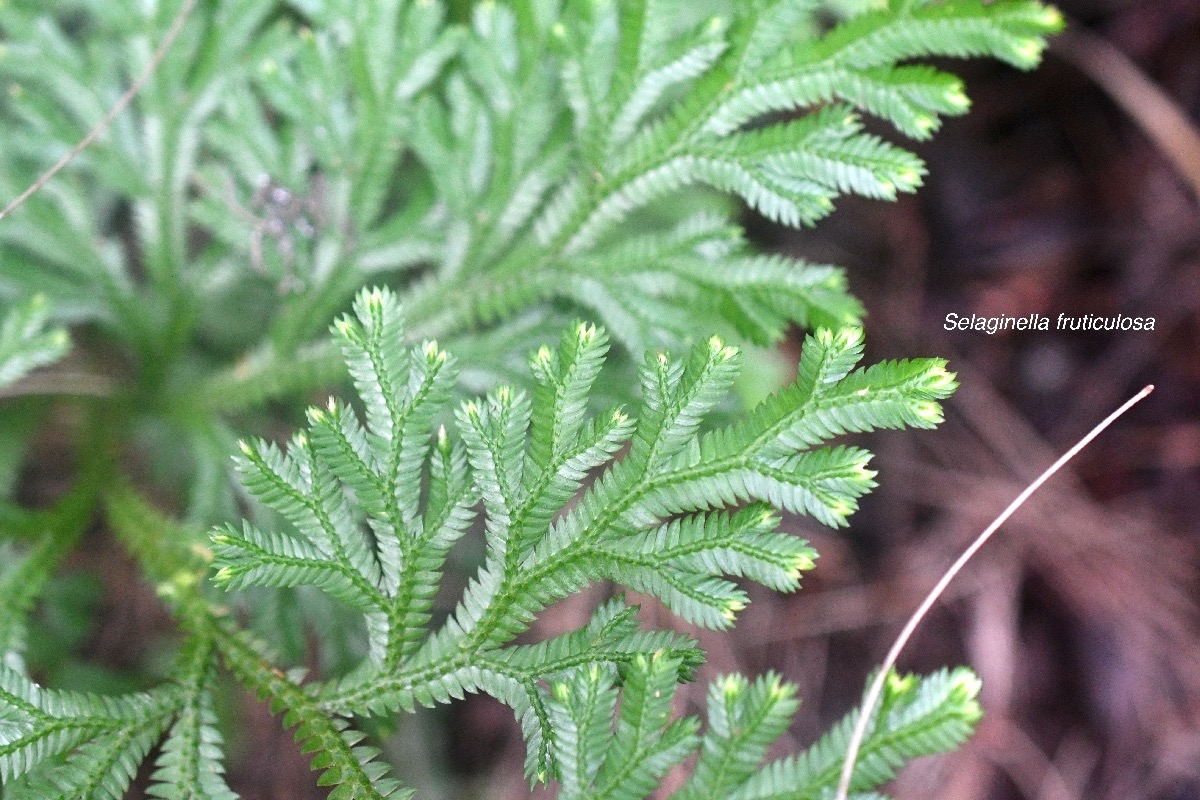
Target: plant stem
x=876, y=689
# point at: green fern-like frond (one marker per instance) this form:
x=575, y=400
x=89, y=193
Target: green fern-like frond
x=862, y=60
x=596, y=719
x=777, y=60
x=683, y=508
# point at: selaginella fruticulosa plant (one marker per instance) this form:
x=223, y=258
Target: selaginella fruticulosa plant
x=505, y=170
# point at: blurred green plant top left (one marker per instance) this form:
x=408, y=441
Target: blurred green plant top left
x=414, y=203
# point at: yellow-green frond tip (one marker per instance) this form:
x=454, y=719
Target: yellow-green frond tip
x=1051, y=19
x=929, y=411
x=956, y=97
x=942, y=378
x=731, y=609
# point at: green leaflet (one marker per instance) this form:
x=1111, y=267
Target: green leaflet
x=680, y=511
